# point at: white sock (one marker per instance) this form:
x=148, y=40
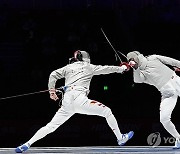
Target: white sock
x=28, y=144
x=169, y=126
x=39, y=134
x=111, y=120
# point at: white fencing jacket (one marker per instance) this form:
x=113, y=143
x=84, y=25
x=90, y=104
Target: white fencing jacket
x=80, y=73
x=154, y=70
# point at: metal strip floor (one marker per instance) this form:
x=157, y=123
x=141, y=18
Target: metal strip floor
x=97, y=150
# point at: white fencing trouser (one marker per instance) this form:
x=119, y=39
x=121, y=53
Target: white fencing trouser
x=169, y=93
x=77, y=102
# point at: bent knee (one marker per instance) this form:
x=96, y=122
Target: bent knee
x=165, y=120
x=107, y=112
x=51, y=127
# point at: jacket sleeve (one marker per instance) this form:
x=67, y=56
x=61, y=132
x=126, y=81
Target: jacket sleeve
x=138, y=76
x=168, y=60
x=54, y=76
x=99, y=69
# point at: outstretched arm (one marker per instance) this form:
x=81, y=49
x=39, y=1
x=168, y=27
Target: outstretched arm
x=168, y=61
x=99, y=69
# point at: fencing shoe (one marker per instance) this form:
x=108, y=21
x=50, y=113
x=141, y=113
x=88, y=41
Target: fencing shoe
x=22, y=148
x=125, y=138
x=177, y=144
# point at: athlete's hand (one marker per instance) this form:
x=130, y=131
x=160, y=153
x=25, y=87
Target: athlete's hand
x=132, y=63
x=53, y=95
x=126, y=65
x=177, y=69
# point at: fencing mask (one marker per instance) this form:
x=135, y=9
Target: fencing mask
x=80, y=56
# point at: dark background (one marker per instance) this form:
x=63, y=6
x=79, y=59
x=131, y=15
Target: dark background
x=38, y=36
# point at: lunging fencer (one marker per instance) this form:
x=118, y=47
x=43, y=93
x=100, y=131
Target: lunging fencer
x=154, y=70
x=78, y=75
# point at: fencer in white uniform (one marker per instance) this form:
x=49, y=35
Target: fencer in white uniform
x=154, y=70
x=78, y=75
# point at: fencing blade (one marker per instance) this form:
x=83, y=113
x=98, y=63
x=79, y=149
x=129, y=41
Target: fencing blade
x=26, y=94
x=32, y=93
x=116, y=52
